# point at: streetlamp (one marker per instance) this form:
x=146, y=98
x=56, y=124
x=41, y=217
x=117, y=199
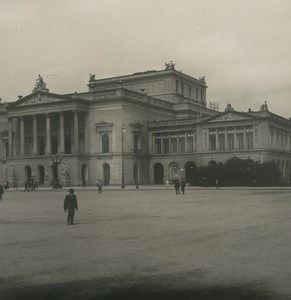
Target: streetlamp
x=122, y=162
x=136, y=152
x=56, y=160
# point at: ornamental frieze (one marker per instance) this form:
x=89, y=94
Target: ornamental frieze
x=229, y=117
x=40, y=99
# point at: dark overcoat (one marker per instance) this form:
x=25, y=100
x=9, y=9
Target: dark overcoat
x=70, y=202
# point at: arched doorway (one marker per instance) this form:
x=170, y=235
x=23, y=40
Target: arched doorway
x=106, y=174
x=84, y=169
x=41, y=174
x=27, y=173
x=55, y=173
x=174, y=172
x=158, y=173
x=190, y=168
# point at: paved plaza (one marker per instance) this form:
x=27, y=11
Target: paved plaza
x=233, y=243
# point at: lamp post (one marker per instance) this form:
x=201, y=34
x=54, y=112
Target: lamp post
x=122, y=161
x=56, y=160
x=136, y=151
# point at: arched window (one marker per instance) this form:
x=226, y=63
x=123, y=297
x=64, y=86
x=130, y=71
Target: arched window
x=105, y=143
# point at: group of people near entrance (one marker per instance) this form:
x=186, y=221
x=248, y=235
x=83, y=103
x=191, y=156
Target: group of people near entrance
x=179, y=185
x=30, y=185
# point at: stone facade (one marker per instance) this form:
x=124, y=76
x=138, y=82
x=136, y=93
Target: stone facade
x=151, y=125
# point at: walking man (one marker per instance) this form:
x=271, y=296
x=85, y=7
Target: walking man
x=177, y=186
x=1, y=191
x=70, y=205
x=183, y=185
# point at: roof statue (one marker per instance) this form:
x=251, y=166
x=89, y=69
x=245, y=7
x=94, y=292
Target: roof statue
x=202, y=78
x=170, y=66
x=264, y=107
x=229, y=107
x=40, y=85
x=92, y=77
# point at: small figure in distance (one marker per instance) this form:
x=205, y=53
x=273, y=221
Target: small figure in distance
x=84, y=183
x=217, y=183
x=99, y=186
x=183, y=185
x=15, y=185
x=70, y=205
x=167, y=183
x=177, y=186
x=1, y=191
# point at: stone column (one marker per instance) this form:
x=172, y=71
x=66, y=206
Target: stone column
x=76, y=132
x=48, y=134
x=186, y=144
x=10, y=142
x=22, y=138
x=162, y=143
x=245, y=138
x=234, y=134
x=86, y=138
x=225, y=139
x=216, y=139
x=34, y=134
x=62, y=133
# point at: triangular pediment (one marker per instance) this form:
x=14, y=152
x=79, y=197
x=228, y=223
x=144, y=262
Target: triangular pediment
x=229, y=116
x=38, y=98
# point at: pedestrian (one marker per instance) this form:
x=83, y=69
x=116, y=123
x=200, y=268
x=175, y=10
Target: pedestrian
x=217, y=183
x=167, y=183
x=70, y=205
x=177, y=186
x=183, y=185
x=100, y=184
x=84, y=183
x=1, y=191
x=26, y=186
x=15, y=185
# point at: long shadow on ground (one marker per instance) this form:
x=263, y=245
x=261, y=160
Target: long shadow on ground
x=110, y=289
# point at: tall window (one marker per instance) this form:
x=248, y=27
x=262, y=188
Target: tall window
x=189, y=141
x=174, y=142
x=240, y=137
x=212, y=139
x=182, y=142
x=105, y=143
x=166, y=143
x=221, y=139
x=158, y=146
x=230, y=138
x=135, y=142
x=249, y=137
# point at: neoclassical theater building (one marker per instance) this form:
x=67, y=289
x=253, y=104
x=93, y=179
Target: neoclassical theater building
x=150, y=126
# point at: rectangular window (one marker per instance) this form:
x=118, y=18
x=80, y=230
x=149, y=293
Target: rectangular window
x=158, y=145
x=173, y=142
x=189, y=142
x=230, y=138
x=212, y=139
x=221, y=139
x=249, y=137
x=181, y=142
x=240, y=137
x=166, y=142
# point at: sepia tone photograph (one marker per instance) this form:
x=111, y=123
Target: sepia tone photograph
x=145, y=150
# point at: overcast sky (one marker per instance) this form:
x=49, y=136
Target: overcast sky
x=243, y=47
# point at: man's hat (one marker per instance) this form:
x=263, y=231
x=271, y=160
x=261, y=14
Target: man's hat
x=71, y=190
